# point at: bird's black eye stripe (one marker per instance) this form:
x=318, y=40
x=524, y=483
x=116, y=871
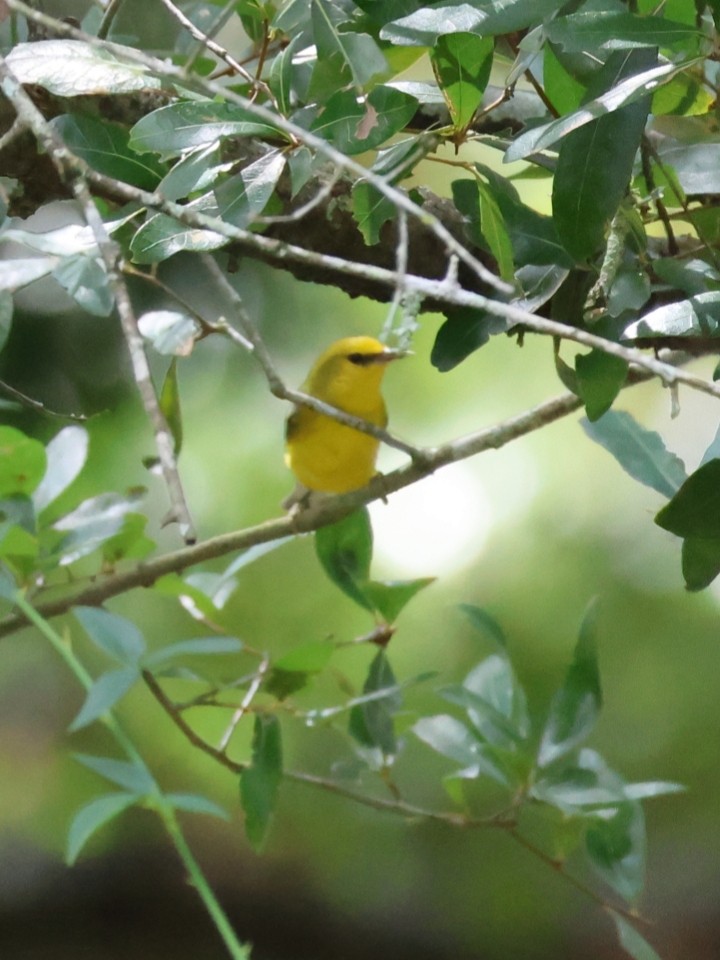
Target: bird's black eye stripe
x=362, y=359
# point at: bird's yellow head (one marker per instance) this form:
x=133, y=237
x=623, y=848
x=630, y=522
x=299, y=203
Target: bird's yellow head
x=349, y=372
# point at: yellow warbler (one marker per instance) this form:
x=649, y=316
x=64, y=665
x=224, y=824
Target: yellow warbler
x=325, y=455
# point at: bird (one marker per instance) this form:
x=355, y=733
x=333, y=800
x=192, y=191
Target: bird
x=326, y=456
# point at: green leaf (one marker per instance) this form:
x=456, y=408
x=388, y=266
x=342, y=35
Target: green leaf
x=700, y=561
x=354, y=125
x=632, y=942
x=188, y=125
x=86, y=280
x=93, y=523
x=575, y=707
x=626, y=92
x=18, y=273
x=91, y=817
x=697, y=317
x=161, y=237
x=616, y=848
x=105, y=147
x=465, y=331
x=22, y=462
x=610, y=30
x=293, y=671
x=371, y=723
x=194, y=803
x=169, y=401
x=595, y=162
x=462, y=64
x=66, y=455
x=242, y=198
x=344, y=550
x=640, y=452
x=280, y=80
x=390, y=597
x=358, y=51
x=197, y=646
x=126, y=774
x=694, y=511
x=197, y=170
x=694, y=165
x=485, y=624
x=8, y=588
x=171, y=332
x=260, y=781
x=495, y=702
x=448, y=737
x=113, y=634
x=371, y=211
x=600, y=378
x=73, y=68
x=497, y=17
x=564, y=91
x=103, y=695
x=653, y=788
x=484, y=222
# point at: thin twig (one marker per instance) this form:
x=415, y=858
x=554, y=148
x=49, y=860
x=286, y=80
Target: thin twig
x=294, y=132
x=319, y=514
x=245, y=704
x=215, y=48
x=72, y=171
x=27, y=401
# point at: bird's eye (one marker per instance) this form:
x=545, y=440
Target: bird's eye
x=360, y=359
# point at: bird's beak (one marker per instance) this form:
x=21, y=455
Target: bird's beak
x=387, y=355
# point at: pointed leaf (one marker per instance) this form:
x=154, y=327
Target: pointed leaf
x=242, y=198
x=354, y=125
x=390, y=597
x=462, y=64
x=694, y=511
x=484, y=623
x=18, y=273
x=371, y=722
x=626, y=92
x=699, y=316
x=600, y=378
x=486, y=17
x=105, y=147
x=576, y=705
x=118, y=637
x=465, y=331
x=197, y=646
x=345, y=549
x=616, y=848
x=131, y=776
x=66, y=456
x=93, y=523
x=104, y=694
x=194, y=803
x=86, y=280
x=91, y=817
x=371, y=211
x=596, y=160
x=260, y=781
x=640, y=452
x=700, y=561
x=72, y=68
x=187, y=125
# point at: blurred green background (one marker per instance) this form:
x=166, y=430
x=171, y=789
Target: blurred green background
x=531, y=533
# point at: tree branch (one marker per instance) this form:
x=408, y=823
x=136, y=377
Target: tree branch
x=72, y=171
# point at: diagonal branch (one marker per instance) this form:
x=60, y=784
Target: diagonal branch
x=72, y=171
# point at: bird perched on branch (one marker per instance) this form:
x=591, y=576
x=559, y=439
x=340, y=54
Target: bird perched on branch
x=325, y=455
